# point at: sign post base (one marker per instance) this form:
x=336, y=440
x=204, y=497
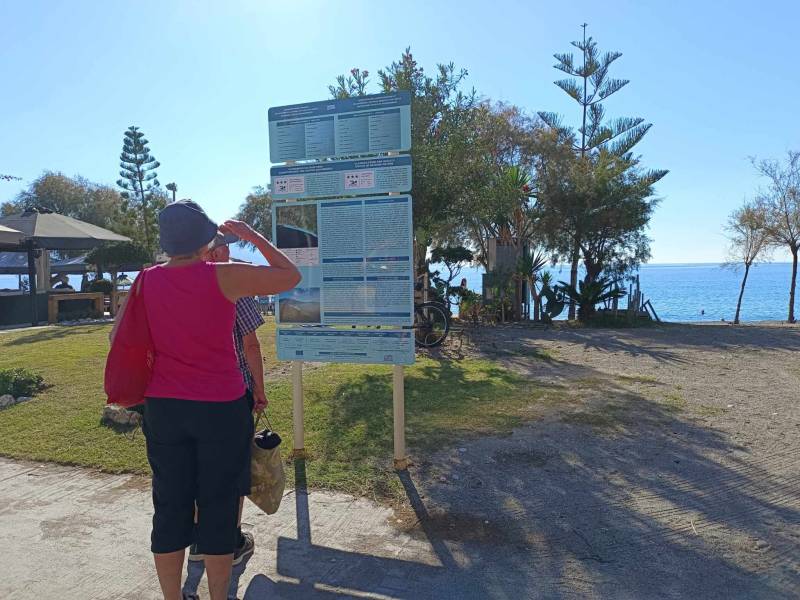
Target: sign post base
x=298, y=439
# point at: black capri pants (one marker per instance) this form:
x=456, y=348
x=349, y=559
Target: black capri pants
x=199, y=452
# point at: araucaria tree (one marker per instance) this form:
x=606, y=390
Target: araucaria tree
x=603, y=217
x=749, y=237
x=139, y=182
x=781, y=199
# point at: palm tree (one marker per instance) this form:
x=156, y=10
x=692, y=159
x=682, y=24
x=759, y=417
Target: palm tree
x=590, y=294
x=528, y=267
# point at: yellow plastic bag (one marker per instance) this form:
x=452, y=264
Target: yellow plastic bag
x=267, y=478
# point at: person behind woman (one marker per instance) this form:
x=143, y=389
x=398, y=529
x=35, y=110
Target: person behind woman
x=197, y=422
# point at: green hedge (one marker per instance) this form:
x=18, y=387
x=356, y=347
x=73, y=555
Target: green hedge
x=101, y=285
x=20, y=382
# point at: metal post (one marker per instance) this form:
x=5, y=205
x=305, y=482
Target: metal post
x=299, y=450
x=398, y=402
x=32, y=282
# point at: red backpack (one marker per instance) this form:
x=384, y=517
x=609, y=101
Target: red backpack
x=129, y=365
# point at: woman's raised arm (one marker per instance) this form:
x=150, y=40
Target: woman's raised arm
x=237, y=280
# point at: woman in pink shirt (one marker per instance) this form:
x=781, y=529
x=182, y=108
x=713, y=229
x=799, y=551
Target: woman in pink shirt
x=197, y=419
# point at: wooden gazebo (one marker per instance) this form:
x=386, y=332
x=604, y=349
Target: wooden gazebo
x=38, y=230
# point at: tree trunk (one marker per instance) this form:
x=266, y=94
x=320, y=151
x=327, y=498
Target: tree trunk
x=741, y=294
x=143, y=200
x=793, y=285
x=573, y=279
x=535, y=301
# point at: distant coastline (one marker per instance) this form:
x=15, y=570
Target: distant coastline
x=680, y=292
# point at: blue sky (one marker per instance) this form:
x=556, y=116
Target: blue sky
x=718, y=80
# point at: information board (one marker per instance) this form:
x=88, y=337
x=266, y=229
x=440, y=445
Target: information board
x=346, y=127
x=356, y=260
x=323, y=344
x=342, y=178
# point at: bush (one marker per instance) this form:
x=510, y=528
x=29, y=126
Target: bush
x=20, y=382
x=471, y=306
x=77, y=315
x=101, y=285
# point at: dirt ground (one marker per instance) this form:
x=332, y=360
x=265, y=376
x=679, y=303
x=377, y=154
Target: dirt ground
x=667, y=465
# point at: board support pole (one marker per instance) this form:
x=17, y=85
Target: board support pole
x=401, y=461
x=298, y=440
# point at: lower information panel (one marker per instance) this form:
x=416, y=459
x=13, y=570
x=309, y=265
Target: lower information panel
x=325, y=344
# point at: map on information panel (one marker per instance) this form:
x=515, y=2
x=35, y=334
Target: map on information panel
x=337, y=128
x=356, y=260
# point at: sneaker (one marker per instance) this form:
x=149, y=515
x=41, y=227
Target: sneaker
x=245, y=551
x=190, y=596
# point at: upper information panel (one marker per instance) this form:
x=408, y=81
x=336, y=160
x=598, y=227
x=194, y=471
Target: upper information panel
x=342, y=177
x=338, y=128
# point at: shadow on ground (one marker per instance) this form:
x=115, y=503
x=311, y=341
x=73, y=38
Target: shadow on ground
x=616, y=497
x=660, y=342
x=318, y=572
x=51, y=333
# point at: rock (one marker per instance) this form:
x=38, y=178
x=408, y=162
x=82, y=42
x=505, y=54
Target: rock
x=23, y=399
x=6, y=400
x=113, y=413
x=762, y=545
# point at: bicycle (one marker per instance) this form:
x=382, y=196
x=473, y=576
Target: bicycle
x=431, y=318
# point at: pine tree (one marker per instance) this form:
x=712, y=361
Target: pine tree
x=139, y=180
x=589, y=85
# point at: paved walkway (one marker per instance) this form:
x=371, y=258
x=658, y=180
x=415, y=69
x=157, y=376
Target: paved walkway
x=71, y=533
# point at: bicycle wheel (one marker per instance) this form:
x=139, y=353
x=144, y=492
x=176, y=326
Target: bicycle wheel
x=431, y=324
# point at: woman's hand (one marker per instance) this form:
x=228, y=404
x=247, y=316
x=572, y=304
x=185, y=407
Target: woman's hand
x=241, y=230
x=260, y=401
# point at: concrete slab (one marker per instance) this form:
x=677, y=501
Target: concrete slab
x=71, y=533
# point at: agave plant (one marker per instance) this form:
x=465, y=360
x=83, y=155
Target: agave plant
x=590, y=294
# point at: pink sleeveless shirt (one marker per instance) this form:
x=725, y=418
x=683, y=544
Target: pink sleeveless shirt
x=191, y=324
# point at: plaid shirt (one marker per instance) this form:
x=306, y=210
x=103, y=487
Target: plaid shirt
x=248, y=319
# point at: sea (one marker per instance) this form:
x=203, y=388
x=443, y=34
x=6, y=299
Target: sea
x=678, y=292
x=700, y=292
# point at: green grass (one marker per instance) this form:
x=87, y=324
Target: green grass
x=348, y=409
x=707, y=410
x=674, y=402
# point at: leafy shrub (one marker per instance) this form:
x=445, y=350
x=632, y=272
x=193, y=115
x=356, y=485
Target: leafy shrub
x=101, y=285
x=471, y=306
x=76, y=315
x=20, y=382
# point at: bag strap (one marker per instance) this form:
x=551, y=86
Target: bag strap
x=262, y=414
